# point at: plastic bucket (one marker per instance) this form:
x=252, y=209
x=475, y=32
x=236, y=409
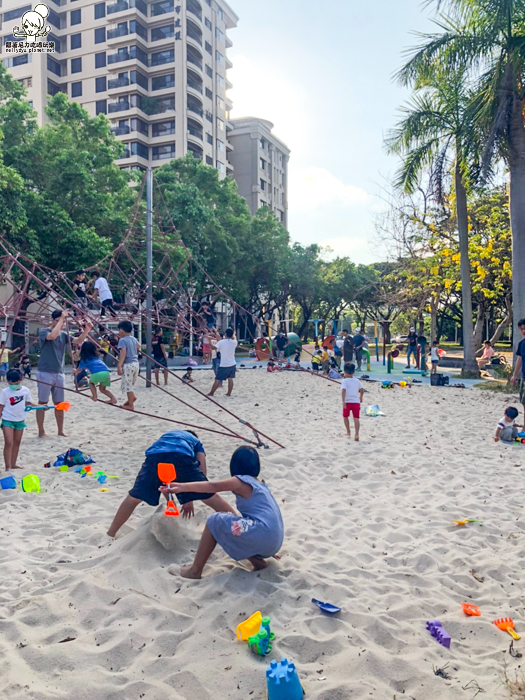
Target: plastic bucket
x=8, y=482
x=31, y=482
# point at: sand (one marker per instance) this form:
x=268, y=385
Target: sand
x=368, y=527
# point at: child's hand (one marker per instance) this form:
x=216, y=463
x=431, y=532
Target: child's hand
x=496, y=439
x=119, y=371
x=172, y=488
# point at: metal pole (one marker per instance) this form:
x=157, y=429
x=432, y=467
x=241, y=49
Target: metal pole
x=191, y=324
x=149, y=271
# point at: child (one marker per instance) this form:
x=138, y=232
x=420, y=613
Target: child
x=317, y=361
x=128, y=365
x=4, y=361
x=187, y=378
x=352, y=392
x=206, y=349
x=333, y=373
x=25, y=364
x=434, y=356
x=13, y=402
x=160, y=355
x=507, y=429
x=257, y=534
x=183, y=449
x=98, y=371
x=297, y=358
x=325, y=357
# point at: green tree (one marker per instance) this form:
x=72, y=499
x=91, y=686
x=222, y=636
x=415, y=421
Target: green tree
x=436, y=135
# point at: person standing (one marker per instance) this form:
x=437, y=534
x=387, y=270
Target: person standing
x=50, y=376
x=128, y=365
x=102, y=290
x=412, y=348
x=281, y=343
x=159, y=355
x=348, y=347
x=519, y=368
x=227, y=366
x=359, y=343
x=79, y=287
x=208, y=315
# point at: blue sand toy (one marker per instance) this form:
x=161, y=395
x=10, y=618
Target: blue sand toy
x=326, y=607
x=8, y=482
x=283, y=682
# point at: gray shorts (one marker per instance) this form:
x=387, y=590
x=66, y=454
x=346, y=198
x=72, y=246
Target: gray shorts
x=280, y=354
x=522, y=391
x=52, y=385
x=224, y=373
x=508, y=434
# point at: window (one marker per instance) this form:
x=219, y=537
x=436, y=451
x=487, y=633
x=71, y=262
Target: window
x=220, y=80
x=165, y=103
x=161, y=8
x=100, y=84
x=163, y=81
x=220, y=14
x=263, y=185
x=76, y=65
x=209, y=71
x=138, y=28
x=262, y=143
x=136, y=52
x=135, y=76
x=26, y=82
x=75, y=41
x=218, y=34
x=220, y=167
x=75, y=17
x=76, y=89
x=209, y=160
x=53, y=88
x=164, y=128
x=100, y=59
x=50, y=37
x=209, y=94
x=17, y=60
x=100, y=10
x=159, y=33
x=208, y=2
x=101, y=107
x=54, y=19
x=207, y=22
x=139, y=149
x=160, y=152
x=219, y=57
x=262, y=164
x=209, y=116
x=139, y=125
x=100, y=35
x=220, y=102
x=167, y=56
x=209, y=138
x=220, y=145
x=54, y=66
x=207, y=46
x=220, y=124
x=15, y=14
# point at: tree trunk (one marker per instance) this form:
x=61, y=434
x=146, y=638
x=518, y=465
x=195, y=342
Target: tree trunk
x=433, y=317
x=470, y=366
x=517, y=215
x=479, y=327
x=505, y=323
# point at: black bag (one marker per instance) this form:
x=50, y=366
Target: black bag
x=439, y=380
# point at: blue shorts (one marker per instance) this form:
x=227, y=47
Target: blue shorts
x=146, y=486
x=4, y=368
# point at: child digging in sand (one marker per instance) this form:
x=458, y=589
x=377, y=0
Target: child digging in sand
x=352, y=392
x=257, y=534
x=98, y=372
x=13, y=401
x=507, y=429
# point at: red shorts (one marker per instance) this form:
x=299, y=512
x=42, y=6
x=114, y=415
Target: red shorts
x=353, y=408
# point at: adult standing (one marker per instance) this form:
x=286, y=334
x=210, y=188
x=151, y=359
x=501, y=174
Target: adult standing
x=102, y=290
x=281, y=343
x=227, y=365
x=359, y=343
x=50, y=376
x=348, y=347
x=412, y=348
x=159, y=355
x=519, y=368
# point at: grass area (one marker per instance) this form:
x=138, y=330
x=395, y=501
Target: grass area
x=498, y=386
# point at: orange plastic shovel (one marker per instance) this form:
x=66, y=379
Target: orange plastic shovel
x=167, y=473
x=470, y=609
x=507, y=625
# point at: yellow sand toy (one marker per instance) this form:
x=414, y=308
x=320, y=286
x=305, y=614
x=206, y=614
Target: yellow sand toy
x=462, y=523
x=250, y=627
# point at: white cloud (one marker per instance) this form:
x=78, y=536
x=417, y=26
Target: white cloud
x=312, y=187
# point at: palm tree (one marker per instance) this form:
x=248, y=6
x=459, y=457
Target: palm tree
x=435, y=135
x=488, y=36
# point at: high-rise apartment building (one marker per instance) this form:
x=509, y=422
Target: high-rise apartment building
x=260, y=165
x=156, y=69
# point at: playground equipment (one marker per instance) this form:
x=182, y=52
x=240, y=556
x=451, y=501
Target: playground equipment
x=282, y=681
x=263, y=347
x=167, y=474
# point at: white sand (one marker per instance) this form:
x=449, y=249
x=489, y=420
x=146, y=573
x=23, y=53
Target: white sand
x=380, y=545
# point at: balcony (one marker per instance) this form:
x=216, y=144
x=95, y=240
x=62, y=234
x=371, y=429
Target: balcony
x=126, y=154
x=196, y=150
x=194, y=85
x=116, y=33
x=195, y=108
x=119, y=57
x=122, y=5
x=121, y=106
x=114, y=83
x=195, y=129
x=120, y=130
x=195, y=9
x=193, y=32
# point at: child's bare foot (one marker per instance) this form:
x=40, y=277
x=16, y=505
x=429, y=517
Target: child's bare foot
x=189, y=572
x=17, y=467
x=258, y=563
x=93, y=398
x=42, y=435
x=112, y=401
x=62, y=434
x=357, y=438
x=348, y=434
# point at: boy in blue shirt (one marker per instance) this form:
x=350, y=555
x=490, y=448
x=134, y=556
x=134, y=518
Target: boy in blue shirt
x=183, y=449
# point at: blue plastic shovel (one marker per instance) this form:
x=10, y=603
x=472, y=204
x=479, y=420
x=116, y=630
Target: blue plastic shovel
x=326, y=607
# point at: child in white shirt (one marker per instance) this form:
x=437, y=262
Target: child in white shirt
x=434, y=356
x=13, y=402
x=507, y=429
x=352, y=393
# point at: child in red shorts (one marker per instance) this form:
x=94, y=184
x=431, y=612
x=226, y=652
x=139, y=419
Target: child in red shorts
x=352, y=392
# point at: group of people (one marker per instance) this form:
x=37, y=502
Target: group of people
x=100, y=292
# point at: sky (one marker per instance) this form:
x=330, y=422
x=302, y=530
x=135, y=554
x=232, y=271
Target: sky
x=322, y=72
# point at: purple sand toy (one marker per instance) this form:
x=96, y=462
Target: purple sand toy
x=438, y=632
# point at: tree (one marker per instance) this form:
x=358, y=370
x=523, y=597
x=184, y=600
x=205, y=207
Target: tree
x=488, y=36
x=436, y=133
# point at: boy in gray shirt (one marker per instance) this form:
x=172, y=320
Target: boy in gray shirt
x=128, y=364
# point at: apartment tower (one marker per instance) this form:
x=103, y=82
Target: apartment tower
x=156, y=69
x=260, y=165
